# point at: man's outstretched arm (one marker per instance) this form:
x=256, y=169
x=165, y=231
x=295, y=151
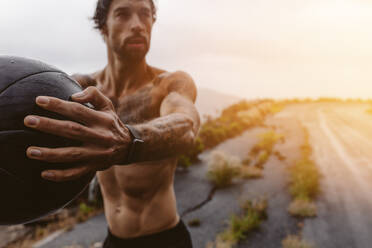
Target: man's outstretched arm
x=175, y=130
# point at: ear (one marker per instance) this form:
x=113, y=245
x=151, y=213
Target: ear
x=104, y=32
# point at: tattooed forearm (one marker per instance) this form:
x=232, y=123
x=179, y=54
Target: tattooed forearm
x=165, y=137
x=174, y=131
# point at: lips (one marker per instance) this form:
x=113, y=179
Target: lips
x=136, y=41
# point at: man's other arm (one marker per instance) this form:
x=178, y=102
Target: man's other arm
x=175, y=130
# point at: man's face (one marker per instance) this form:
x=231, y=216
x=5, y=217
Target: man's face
x=128, y=28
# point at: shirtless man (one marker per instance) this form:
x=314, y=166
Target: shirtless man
x=143, y=119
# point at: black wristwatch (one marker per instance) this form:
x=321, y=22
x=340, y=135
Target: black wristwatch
x=135, y=146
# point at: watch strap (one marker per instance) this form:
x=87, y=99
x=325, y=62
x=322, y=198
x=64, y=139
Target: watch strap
x=134, y=146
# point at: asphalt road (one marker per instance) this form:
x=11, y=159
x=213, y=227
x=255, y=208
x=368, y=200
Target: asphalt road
x=341, y=136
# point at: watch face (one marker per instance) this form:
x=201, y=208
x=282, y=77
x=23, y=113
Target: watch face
x=138, y=141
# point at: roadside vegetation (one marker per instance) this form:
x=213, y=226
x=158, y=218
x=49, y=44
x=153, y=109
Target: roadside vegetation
x=224, y=168
x=240, y=226
x=261, y=152
x=65, y=219
x=293, y=241
x=250, y=172
x=304, y=183
x=194, y=222
x=233, y=121
x=369, y=111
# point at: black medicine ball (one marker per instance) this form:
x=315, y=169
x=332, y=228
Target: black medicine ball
x=24, y=195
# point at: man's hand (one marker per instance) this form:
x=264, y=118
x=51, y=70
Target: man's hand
x=104, y=137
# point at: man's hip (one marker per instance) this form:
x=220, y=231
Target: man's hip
x=176, y=237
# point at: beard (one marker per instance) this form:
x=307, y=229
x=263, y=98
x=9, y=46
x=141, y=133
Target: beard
x=132, y=55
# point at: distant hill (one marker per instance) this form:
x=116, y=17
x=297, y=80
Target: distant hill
x=211, y=102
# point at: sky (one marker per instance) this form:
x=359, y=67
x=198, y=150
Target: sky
x=251, y=49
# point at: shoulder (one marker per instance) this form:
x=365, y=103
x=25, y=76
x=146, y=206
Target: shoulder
x=85, y=80
x=178, y=82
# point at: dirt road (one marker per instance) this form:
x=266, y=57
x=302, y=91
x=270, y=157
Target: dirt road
x=341, y=137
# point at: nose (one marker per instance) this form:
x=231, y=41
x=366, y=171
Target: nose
x=136, y=25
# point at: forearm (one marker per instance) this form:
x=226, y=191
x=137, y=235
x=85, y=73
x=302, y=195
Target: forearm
x=166, y=137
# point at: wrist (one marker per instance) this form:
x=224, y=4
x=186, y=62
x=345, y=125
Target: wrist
x=135, y=145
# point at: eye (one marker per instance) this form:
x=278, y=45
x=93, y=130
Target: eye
x=123, y=14
x=145, y=14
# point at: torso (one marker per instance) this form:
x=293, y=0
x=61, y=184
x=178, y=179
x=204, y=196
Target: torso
x=139, y=199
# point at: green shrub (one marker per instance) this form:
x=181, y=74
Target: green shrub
x=262, y=159
x=264, y=148
x=241, y=226
x=304, y=179
x=184, y=161
x=232, y=122
x=268, y=140
x=222, y=169
x=304, y=183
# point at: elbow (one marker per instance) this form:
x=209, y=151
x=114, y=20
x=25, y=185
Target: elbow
x=191, y=138
x=189, y=143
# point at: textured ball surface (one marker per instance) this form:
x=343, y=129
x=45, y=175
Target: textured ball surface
x=25, y=196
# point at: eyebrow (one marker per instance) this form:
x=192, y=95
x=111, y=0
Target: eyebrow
x=121, y=8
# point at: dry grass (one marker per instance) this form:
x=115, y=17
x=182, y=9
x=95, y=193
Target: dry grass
x=241, y=226
x=262, y=151
x=194, y=222
x=302, y=208
x=304, y=183
x=65, y=222
x=254, y=212
x=293, y=241
x=369, y=111
x=250, y=172
x=219, y=244
x=304, y=179
x=277, y=107
x=222, y=169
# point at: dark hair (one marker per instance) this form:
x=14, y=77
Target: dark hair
x=103, y=6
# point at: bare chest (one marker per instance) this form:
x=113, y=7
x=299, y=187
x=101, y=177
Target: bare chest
x=140, y=106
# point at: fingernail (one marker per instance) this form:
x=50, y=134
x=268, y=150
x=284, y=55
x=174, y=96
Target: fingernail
x=42, y=100
x=78, y=95
x=48, y=175
x=31, y=121
x=35, y=153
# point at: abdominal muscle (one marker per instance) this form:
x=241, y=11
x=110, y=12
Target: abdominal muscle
x=139, y=199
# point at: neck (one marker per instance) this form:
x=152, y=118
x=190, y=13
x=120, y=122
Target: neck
x=123, y=76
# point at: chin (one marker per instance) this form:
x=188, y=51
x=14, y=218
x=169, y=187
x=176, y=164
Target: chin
x=134, y=56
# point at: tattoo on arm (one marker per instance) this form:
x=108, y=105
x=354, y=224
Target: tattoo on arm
x=165, y=137
x=174, y=132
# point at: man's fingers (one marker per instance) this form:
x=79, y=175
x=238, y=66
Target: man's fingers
x=72, y=110
x=65, y=154
x=66, y=175
x=95, y=97
x=67, y=129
